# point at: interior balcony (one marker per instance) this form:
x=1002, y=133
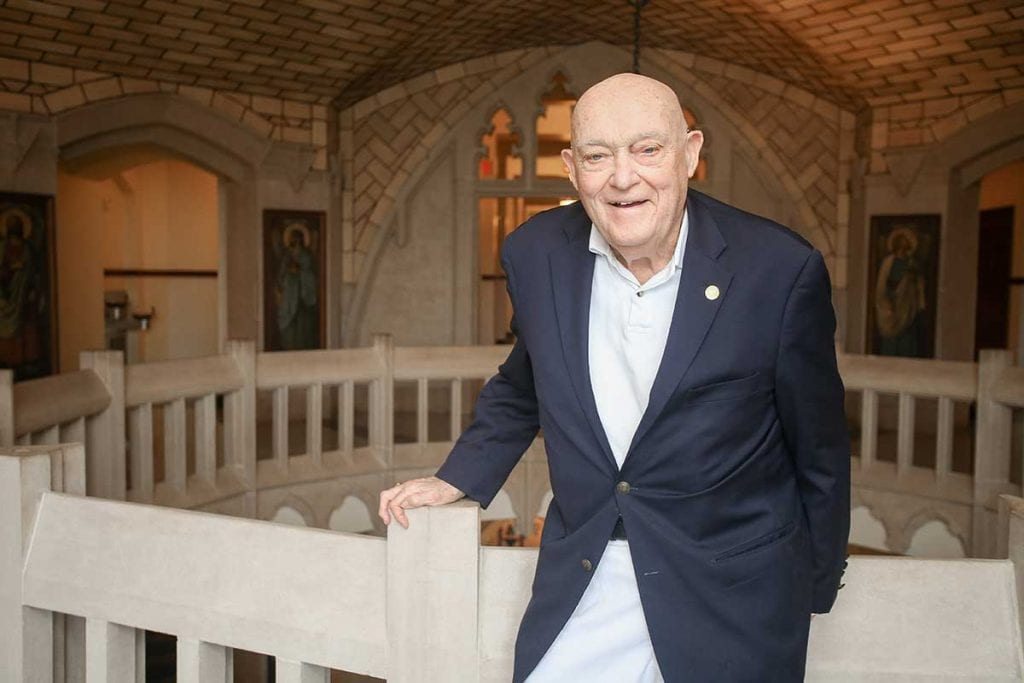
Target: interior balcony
x=140, y=497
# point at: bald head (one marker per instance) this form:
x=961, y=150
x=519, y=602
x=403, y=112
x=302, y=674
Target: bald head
x=630, y=160
x=618, y=94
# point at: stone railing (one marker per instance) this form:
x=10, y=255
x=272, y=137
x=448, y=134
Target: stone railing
x=424, y=605
x=239, y=433
x=921, y=483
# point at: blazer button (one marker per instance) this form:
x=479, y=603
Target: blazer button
x=622, y=487
x=587, y=565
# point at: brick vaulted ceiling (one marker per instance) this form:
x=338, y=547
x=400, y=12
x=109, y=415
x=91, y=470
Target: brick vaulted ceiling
x=853, y=52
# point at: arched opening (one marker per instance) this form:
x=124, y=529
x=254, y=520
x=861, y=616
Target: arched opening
x=934, y=539
x=138, y=266
x=999, y=315
x=351, y=516
x=866, y=532
x=288, y=515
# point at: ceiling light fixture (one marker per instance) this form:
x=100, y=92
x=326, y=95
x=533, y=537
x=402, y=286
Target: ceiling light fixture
x=638, y=6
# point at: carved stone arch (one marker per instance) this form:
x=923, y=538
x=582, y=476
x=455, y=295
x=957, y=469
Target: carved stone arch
x=972, y=155
x=212, y=140
x=487, y=128
x=439, y=139
x=300, y=506
x=554, y=69
x=366, y=492
x=871, y=509
x=345, y=499
x=922, y=517
x=886, y=509
x=173, y=123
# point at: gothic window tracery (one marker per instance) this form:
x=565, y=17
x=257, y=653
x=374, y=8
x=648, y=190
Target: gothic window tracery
x=499, y=159
x=553, y=128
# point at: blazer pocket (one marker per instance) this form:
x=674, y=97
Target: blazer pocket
x=728, y=389
x=760, y=543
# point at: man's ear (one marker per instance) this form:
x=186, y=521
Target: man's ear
x=692, y=143
x=567, y=159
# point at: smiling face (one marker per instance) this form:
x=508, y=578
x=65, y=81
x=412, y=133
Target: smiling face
x=630, y=161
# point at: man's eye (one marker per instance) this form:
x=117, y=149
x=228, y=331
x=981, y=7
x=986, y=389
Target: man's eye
x=648, y=151
x=594, y=157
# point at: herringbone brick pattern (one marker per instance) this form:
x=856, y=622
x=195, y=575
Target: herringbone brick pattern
x=393, y=131
x=852, y=52
x=47, y=89
x=798, y=135
x=924, y=123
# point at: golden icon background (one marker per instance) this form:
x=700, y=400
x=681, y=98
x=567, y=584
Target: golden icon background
x=712, y=292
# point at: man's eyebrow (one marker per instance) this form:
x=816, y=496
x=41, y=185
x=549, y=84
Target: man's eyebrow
x=649, y=135
x=659, y=136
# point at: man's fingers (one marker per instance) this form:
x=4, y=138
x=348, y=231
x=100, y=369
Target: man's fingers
x=399, y=514
x=382, y=508
x=405, y=499
x=411, y=494
x=386, y=496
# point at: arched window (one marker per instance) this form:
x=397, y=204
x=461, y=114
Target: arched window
x=517, y=179
x=498, y=160
x=553, y=128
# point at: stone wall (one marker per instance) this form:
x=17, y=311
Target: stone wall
x=46, y=90
x=817, y=155
x=804, y=143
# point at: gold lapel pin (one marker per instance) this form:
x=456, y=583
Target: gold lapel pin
x=711, y=292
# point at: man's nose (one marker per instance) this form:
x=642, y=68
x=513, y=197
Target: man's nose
x=624, y=173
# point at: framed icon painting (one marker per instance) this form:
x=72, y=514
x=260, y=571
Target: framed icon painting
x=903, y=266
x=293, y=280
x=28, y=287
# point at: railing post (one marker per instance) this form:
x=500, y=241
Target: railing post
x=104, y=433
x=991, y=451
x=200, y=662
x=6, y=408
x=288, y=671
x=240, y=414
x=382, y=401
x=110, y=652
x=1011, y=542
x=27, y=638
x=433, y=570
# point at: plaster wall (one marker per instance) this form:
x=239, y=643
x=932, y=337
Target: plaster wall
x=413, y=292
x=771, y=149
x=942, y=177
x=127, y=213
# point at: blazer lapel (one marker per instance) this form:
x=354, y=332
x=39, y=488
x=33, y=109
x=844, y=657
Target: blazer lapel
x=572, y=279
x=694, y=310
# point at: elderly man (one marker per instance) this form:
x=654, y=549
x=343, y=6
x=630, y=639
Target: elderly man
x=679, y=355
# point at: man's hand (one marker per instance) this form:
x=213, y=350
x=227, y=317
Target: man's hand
x=415, y=493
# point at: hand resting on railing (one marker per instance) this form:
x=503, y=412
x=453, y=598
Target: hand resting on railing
x=426, y=491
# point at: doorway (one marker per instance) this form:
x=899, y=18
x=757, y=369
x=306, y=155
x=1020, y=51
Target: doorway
x=138, y=254
x=995, y=266
x=999, y=311
x=498, y=217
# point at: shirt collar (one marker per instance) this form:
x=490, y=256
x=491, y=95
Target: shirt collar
x=599, y=245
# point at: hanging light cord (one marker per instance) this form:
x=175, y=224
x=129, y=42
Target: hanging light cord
x=637, y=6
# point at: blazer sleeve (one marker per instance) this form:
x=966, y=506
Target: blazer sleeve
x=505, y=422
x=810, y=401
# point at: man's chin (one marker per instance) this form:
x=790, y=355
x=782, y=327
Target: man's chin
x=627, y=236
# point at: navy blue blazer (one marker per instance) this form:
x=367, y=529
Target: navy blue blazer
x=735, y=489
